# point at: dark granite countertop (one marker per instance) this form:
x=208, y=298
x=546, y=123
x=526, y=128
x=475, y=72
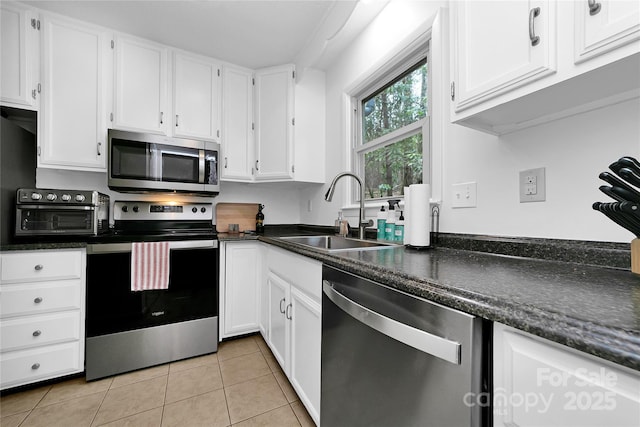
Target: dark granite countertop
x=593, y=309
x=588, y=300
x=32, y=246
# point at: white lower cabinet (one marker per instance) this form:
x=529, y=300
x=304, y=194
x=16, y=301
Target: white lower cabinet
x=240, y=278
x=541, y=383
x=42, y=315
x=294, y=328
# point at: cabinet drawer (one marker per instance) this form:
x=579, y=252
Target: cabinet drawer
x=23, y=367
x=41, y=265
x=31, y=331
x=40, y=297
x=303, y=272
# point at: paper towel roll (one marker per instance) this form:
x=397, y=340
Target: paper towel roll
x=407, y=218
x=420, y=214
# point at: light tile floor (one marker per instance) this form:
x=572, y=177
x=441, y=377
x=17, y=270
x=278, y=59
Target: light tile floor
x=240, y=385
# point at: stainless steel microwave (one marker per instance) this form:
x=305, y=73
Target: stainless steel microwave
x=140, y=162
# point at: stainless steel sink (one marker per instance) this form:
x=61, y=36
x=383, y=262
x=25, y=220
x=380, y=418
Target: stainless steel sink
x=337, y=243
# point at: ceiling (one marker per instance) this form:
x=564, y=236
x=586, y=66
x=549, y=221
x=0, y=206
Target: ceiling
x=253, y=34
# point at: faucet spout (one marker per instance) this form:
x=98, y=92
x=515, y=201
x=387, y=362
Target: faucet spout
x=362, y=222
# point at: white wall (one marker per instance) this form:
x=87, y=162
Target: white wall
x=573, y=151
x=280, y=206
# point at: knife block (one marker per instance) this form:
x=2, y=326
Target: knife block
x=635, y=256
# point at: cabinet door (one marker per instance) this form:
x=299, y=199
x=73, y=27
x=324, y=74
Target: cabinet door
x=306, y=335
x=541, y=383
x=73, y=129
x=237, y=123
x=196, y=97
x=279, y=331
x=604, y=25
x=19, y=49
x=241, y=288
x=274, y=123
x=141, y=86
x=494, y=49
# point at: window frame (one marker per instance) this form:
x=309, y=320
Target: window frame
x=390, y=72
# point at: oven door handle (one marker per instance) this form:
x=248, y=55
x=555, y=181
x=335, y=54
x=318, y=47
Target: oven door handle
x=112, y=248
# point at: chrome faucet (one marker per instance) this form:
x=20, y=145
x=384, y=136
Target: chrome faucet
x=362, y=223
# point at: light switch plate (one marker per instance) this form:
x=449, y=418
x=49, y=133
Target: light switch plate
x=464, y=195
x=532, y=185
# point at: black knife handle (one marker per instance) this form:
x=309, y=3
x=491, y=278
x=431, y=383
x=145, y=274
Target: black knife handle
x=629, y=176
x=609, y=192
x=617, y=182
x=630, y=208
x=631, y=163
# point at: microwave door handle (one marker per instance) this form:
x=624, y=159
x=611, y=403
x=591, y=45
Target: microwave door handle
x=201, y=167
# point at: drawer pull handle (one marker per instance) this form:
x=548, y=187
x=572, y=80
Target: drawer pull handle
x=37, y=333
x=35, y=366
x=37, y=300
x=281, y=309
x=39, y=267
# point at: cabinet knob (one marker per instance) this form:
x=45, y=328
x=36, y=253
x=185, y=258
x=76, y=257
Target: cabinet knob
x=39, y=267
x=37, y=333
x=161, y=117
x=257, y=162
x=225, y=162
x=594, y=7
x=281, y=309
x=38, y=300
x=35, y=366
x=177, y=116
x=99, y=148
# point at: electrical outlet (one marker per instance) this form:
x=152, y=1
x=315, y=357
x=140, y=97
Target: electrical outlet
x=464, y=195
x=532, y=185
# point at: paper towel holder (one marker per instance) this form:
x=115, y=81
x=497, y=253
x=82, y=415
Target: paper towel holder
x=435, y=229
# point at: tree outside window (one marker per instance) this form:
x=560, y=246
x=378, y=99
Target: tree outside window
x=390, y=155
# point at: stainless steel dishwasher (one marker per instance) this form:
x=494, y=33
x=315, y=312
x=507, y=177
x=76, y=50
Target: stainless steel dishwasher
x=393, y=359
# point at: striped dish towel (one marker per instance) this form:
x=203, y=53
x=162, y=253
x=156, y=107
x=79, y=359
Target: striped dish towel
x=149, y=266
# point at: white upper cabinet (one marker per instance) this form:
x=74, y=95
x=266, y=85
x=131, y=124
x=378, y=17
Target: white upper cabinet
x=521, y=63
x=274, y=97
x=140, y=86
x=19, y=72
x=76, y=60
x=604, y=25
x=237, y=124
x=500, y=46
x=196, y=97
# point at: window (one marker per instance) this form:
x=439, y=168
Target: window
x=392, y=132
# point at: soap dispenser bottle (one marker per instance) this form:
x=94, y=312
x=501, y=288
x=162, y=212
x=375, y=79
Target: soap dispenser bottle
x=382, y=221
x=399, y=234
x=390, y=226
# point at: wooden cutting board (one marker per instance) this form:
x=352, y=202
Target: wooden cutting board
x=243, y=214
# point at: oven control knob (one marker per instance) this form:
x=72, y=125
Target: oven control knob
x=135, y=208
x=51, y=197
x=125, y=208
x=194, y=209
x=36, y=196
x=203, y=209
x=80, y=197
x=65, y=197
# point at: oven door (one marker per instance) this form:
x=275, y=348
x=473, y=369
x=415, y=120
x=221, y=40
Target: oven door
x=38, y=220
x=113, y=307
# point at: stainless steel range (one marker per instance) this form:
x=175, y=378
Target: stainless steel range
x=128, y=328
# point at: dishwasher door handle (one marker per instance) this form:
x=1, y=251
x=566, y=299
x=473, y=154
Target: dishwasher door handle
x=428, y=343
